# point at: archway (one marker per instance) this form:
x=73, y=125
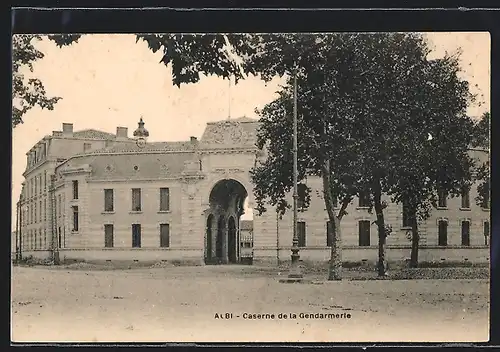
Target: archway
x=227, y=199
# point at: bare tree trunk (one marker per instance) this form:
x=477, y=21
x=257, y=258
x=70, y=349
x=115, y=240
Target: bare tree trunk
x=414, y=242
x=335, y=267
x=379, y=210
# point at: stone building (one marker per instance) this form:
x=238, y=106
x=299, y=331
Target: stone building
x=98, y=196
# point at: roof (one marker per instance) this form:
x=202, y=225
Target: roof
x=129, y=146
x=246, y=225
x=93, y=134
x=132, y=166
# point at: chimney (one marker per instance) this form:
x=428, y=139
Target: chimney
x=67, y=128
x=122, y=132
x=194, y=139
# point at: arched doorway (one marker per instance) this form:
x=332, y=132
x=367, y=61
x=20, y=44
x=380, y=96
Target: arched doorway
x=227, y=198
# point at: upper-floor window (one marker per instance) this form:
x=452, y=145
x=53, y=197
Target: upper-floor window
x=442, y=199
x=164, y=199
x=465, y=198
x=364, y=200
x=60, y=206
x=40, y=190
x=301, y=195
x=87, y=146
x=45, y=180
x=406, y=216
x=136, y=199
x=36, y=185
x=108, y=200
x=75, y=189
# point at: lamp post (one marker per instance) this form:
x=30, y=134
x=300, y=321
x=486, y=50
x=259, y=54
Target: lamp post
x=295, y=272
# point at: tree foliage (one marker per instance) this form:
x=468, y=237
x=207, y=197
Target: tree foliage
x=26, y=91
x=481, y=138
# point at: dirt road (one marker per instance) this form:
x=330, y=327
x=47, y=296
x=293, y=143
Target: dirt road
x=181, y=303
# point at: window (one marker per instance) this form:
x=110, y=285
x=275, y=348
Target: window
x=465, y=198
x=108, y=200
x=108, y=236
x=34, y=239
x=136, y=199
x=36, y=185
x=35, y=211
x=164, y=235
x=75, y=189
x=301, y=195
x=329, y=234
x=41, y=184
x=301, y=233
x=164, y=199
x=45, y=239
x=486, y=232
x=60, y=206
x=364, y=232
x=364, y=200
x=406, y=216
x=136, y=236
x=41, y=211
x=45, y=209
x=442, y=233
x=75, y=218
x=45, y=180
x=485, y=203
x=442, y=199
x=86, y=146
x=465, y=233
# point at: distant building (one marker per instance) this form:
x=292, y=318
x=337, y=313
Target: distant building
x=100, y=196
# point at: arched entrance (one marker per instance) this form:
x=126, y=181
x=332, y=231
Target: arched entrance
x=227, y=198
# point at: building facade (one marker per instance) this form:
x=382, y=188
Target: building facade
x=96, y=196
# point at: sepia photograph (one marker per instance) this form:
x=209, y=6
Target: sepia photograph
x=251, y=187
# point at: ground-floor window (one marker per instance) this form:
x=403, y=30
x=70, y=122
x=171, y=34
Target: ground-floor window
x=486, y=232
x=442, y=233
x=136, y=235
x=329, y=234
x=108, y=236
x=164, y=235
x=465, y=233
x=301, y=233
x=364, y=232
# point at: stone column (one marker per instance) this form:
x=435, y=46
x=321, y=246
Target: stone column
x=225, y=258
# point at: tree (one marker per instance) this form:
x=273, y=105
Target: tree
x=364, y=98
x=481, y=139
x=28, y=92
x=481, y=132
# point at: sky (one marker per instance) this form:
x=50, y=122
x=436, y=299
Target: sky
x=109, y=80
